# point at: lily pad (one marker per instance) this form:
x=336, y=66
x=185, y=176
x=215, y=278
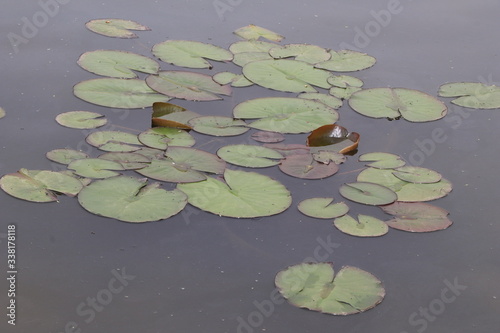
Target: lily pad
x=250, y=156
x=218, y=126
x=417, y=175
x=251, y=46
x=472, y=94
x=286, y=75
x=241, y=59
x=327, y=156
x=306, y=167
x=81, y=119
x=235, y=80
x=118, y=93
x=2, y=113
x=364, y=226
x=115, y=27
x=322, y=208
x=95, y=168
x=304, y=52
x=171, y=115
x=327, y=135
x=329, y=100
x=190, y=54
x=345, y=81
x=254, y=32
x=242, y=195
x=268, y=137
x=285, y=114
x=119, y=64
x=343, y=93
x=382, y=160
x=368, y=193
x=39, y=185
x=65, y=155
x=289, y=149
x=129, y=161
x=187, y=85
x=162, y=137
x=347, y=61
x=130, y=199
x=114, y=141
x=413, y=105
x=417, y=217
x=315, y=286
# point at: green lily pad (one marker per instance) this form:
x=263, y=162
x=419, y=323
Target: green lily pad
x=254, y=32
x=382, y=160
x=304, y=52
x=81, y=119
x=472, y=94
x=171, y=115
x=162, y=137
x=286, y=75
x=95, y=168
x=119, y=64
x=130, y=199
x=268, y=137
x=235, y=80
x=368, y=193
x=129, y=161
x=417, y=175
x=327, y=156
x=65, y=155
x=289, y=149
x=218, y=126
x=249, y=156
x=343, y=93
x=329, y=100
x=364, y=226
x=187, y=85
x=413, y=105
x=118, y=93
x=306, y=167
x=251, y=46
x=242, y=195
x=114, y=141
x=190, y=54
x=315, y=286
x=347, y=61
x=39, y=185
x=322, y=208
x=241, y=59
x=345, y=81
x=115, y=27
x=285, y=114
x=417, y=217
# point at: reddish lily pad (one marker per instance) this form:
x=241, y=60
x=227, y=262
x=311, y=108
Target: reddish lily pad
x=305, y=166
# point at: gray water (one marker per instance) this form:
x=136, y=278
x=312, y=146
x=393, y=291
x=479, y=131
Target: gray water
x=198, y=272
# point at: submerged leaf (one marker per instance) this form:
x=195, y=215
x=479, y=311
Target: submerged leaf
x=253, y=32
x=81, y=119
x=365, y=226
x=472, y=95
x=322, y=208
x=115, y=27
x=417, y=217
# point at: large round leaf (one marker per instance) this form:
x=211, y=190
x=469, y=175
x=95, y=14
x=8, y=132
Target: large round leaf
x=322, y=208
x=95, y=167
x=81, y=119
x=285, y=115
x=316, y=287
x=251, y=46
x=254, y=32
x=116, y=141
x=382, y=160
x=115, y=27
x=417, y=175
x=131, y=200
x=218, y=125
x=243, y=194
x=472, y=94
x=249, y=156
x=364, y=226
x=329, y=100
x=417, y=217
x=368, y=193
x=347, y=61
x=303, y=52
x=129, y=161
x=118, y=93
x=162, y=137
x=65, y=155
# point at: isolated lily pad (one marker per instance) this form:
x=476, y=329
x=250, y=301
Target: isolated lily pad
x=119, y=64
x=118, y=93
x=285, y=114
x=115, y=27
x=39, y=185
x=235, y=80
x=306, y=167
x=286, y=75
x=95, y=168
x=65, y=155
x=116, y=141
x=249, y=156
x=242, y=195
x=417, y=217
x=315, y=286
x=304, y=52
x=187, y=85
x=268, y=137
x=417, y=175
x=347, y=61
x=329, y=100
x=162, y=137
x=368, y=193
x=254, y=32
x=81, y=119
x=190, y=54
x=129, y=161
x=382, y=160
x=218, y=125
x=472, y=94
x=131, y=199
x=322, y=208
x=364, y=226
x=413, y=105
x=171, y=115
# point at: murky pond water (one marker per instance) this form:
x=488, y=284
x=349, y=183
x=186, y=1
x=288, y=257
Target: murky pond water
x=198, y=272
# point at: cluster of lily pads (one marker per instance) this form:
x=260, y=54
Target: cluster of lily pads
x=166, y=151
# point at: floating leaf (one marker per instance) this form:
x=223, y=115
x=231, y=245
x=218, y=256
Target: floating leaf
x=325, y=157
x=130, y=199
x=472, y=95
x=345, y=81
x=95, y=168
x=190, y=54
x=81, y=119
x=322, y=208
x=304, y=166
x=328, y=135
x=242, y=195
x=2, y=112
x=129, y=161
x=268, y=137
x=119, y=64
x=250, y=156
x=347, y=61
x=365, y=226
x=118, y=93
x=315, y=287
x=368, y=193
x=412, y=105
x=286, y=75
x=285, y=115
x=218, y=125
x=253, y=32
x=251, y=46
x=241, y=59
x=417, y=175
x=343, y=93
x=236, y=80
x=65, y=156
x=289, y=149
x=187, y=85
x=114, y=141
x=162, y=137
x=115, y=27
x=343, y=146
x=304, y=52
x=171, y=115
x=417, y=217
x=382, y=160
x=39, y=185
x=331, y=101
